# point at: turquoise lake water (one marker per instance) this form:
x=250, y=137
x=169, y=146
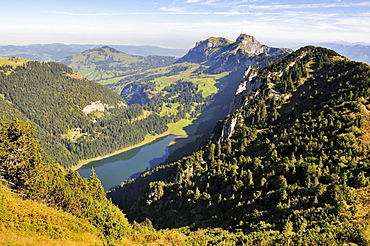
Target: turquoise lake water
x=129, y=164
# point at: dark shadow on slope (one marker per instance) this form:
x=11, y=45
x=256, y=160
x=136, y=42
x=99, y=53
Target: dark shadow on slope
x=202, y=127
x=134, y=189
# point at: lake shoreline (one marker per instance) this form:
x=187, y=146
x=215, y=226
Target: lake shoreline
x=148, y=139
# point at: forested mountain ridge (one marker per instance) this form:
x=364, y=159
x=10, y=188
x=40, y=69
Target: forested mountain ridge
x=356, y=52
x=289, y=164
x=298, y=176
x=106, y=64
x=74, y=118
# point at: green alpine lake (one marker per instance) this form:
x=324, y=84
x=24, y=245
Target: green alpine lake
x=118, y=168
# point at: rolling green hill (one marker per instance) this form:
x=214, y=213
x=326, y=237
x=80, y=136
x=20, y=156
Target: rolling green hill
x=289, y=165
x=105, y=64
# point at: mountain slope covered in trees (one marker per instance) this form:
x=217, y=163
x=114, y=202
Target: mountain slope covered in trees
x=74, y=118
x=289, y=164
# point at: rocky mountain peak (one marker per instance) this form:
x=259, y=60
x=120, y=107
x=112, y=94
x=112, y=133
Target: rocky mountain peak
x=213, y=42
x=245, y=38
x=107, y=48
x=222, y=54
x=210, y=44
x=250, y=45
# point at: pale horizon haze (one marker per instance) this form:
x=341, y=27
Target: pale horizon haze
x=182, y=23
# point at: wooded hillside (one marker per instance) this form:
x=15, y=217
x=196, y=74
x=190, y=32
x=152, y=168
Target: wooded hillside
x=293, y=166
x=74, y=118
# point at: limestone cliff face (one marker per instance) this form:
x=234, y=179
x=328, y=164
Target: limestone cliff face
x=251, y=46
x=99, y=106
x=205, y=49
x=228, y=127
x=250, y=83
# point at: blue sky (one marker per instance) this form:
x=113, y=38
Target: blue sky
x=181, y=23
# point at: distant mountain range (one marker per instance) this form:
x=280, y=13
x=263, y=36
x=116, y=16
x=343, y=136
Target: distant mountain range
x=356, y=52
x=56, y=51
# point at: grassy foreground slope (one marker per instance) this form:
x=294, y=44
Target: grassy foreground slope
x=45, y=204
x=27, y=222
